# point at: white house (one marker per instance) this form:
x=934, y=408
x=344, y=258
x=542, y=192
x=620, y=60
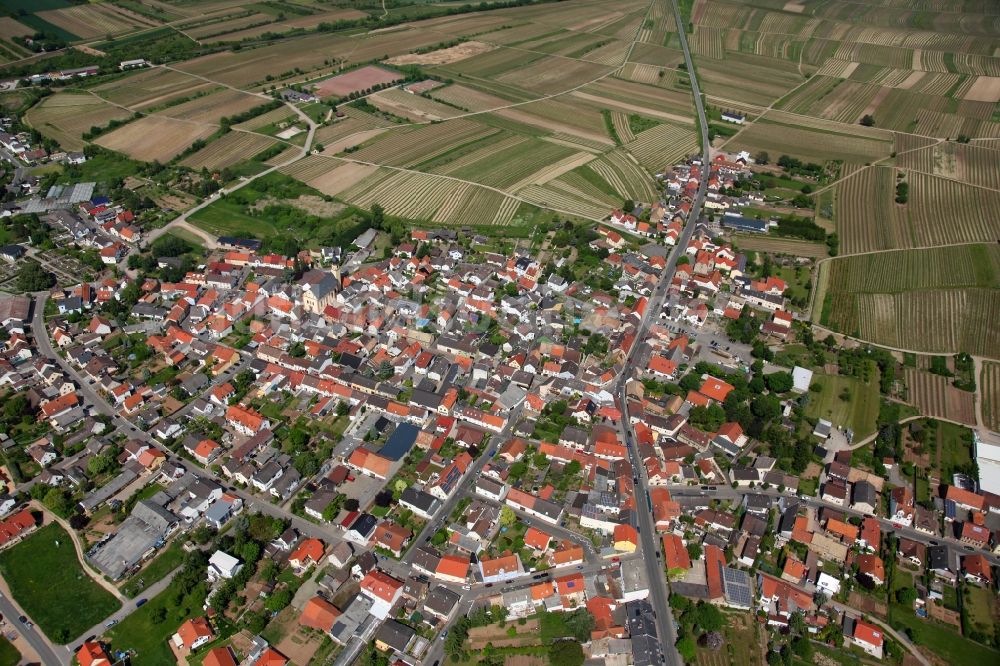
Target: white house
x=222, y=566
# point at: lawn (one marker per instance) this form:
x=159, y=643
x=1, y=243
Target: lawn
x=955, y=444
x=49, y=583
x=941, y=640
x=103, y=167
x=9, y=656
x=148, y=638
x=160, y=566
x=742, y=644
x=227, y=218
x=858, y=412
x=980, y=603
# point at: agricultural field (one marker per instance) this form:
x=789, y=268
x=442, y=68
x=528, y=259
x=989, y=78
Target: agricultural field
x=354, y=81
x=817, y=141
x=989, y=383
x=96, y=20
x=233, y=148
x=153, y=87
x=410, y=106
x=9, y=29
x=975, y=164
x=940, y=300
x=934, y=395
x=867, y=217
x=211, y=108
x=155, y=138
x=64, y=117
x=811, y=72
x=777, y=245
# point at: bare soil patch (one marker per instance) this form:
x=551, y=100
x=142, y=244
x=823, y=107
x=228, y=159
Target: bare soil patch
x=307, y=203
x=341, y=178
x=985, y=89
x=527, y=634
x=355, y=139
x=356, y=80
x=442, y=56
x=911, y=80
x=865, y=603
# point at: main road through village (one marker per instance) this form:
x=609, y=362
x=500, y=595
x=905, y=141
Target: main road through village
x=655, y=571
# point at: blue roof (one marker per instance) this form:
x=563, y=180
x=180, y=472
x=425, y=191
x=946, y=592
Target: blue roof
x=100, y=201
x=744, y=223
x=400, y=441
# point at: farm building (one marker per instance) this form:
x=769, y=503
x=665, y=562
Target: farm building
x=743, y=223
x=987, y=447
x=733, y=117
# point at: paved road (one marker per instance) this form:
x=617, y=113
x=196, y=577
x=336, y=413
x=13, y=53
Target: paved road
x=182, y=220
x=91, y=397
x=885, y=627
x=441, y=517
x=33, y=636
x=649, y=547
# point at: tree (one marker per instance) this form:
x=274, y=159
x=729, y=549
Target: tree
x=377, y=216
x=58, y=502
x=399, y=486
x=581, y=623
x=565, y=653
x=906, y=596
x=694, y=550
x=686, y=647
x=762, y=158
x=868, y=120
x=628, y=206
x=158, y=615
x=713, y=640
x=507, y=516
x=32, y=277
x=779, y=382
x=278, y=600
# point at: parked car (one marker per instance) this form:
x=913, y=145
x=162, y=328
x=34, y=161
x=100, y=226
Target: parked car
x=140, y=602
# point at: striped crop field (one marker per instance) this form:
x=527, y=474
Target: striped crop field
x=151, y=88
x=66, y=116
x=663, y=145
x=272, y=117
x=965, y=162
x=811, y=140
x=232, y=148
x=620, y=170
x=621, y=125
x=867, y=217
x=425, y=197
x=944, y=211
x=639, y=73
x=938, y=300
x=989, y=384
x=565, y=196
x=506, y=168
x=468, y=98
x=412, y=107
x=934, y=395
x=410, y=146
